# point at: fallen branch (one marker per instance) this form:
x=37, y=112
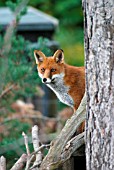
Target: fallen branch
x=2, y=163
x=19, y=165
x=56, y=155
x=37, y=150
x=61, y=148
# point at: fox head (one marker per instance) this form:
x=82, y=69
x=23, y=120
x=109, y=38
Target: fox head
x=50, y=69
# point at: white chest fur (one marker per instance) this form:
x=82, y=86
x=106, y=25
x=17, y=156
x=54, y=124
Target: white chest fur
x=61, y=90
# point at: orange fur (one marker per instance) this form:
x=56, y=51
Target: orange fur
x=75, y=78
x=69, y=85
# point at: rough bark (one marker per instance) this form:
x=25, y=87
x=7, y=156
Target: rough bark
x=64, y=145
x=99, y=52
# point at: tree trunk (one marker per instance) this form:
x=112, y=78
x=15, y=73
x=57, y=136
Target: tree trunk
x=99, y=51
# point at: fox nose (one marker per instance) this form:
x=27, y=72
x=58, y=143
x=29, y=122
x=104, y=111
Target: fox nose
x=44, y=80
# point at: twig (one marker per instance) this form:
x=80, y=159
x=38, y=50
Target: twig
x=70, y=142
x=26, y=143
x=33, y=154
x=40, y=148
x=36, y=145
x=7, y=90
x=37, y=153
x=2, y=163
x=29, y=157
x=20, y=163
x=19, y=142
x=72, y=146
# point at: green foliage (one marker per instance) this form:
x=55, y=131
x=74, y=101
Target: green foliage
x=68, y=12
x=71, y=41
x=12, y=5
x=13, y=142
x=70, y=17
x=70, y=32
x=21, y=68
x=2, y=2
x=17, y=67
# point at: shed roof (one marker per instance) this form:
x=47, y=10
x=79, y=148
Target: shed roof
x=34, y=19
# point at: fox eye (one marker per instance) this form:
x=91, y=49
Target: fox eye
x=53, y=70
x=42, y=69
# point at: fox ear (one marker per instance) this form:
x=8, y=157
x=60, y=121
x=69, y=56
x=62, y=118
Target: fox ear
x=39, y=56
x=59, y=56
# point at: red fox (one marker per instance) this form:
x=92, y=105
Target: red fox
x=67, y=82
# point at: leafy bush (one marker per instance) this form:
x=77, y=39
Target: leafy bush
x=20, y=68
x=19, y=80
x=68, y=12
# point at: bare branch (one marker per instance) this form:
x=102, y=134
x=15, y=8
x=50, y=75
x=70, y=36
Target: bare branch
x=26, y=143
x=20, y=163
x=29, y=157
x=72, y=146
x=55, y=156
x=61, y=148
x=2, y=163
x=40, y=148
x=36, y=145
x=10, y=29
x=37, y=150
x=19, y=142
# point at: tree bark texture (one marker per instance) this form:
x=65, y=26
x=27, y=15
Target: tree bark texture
x=64, y=145
x=99, y=52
